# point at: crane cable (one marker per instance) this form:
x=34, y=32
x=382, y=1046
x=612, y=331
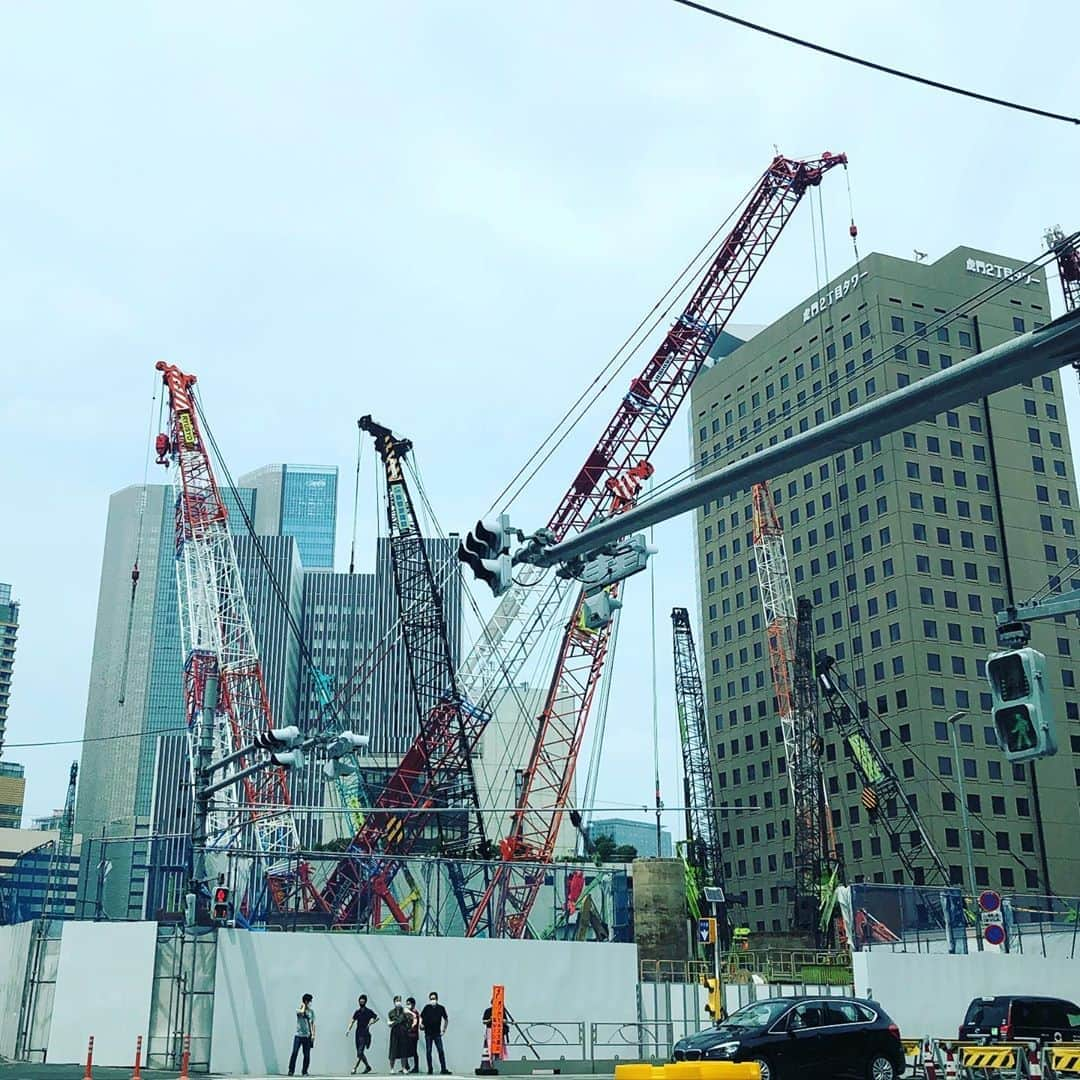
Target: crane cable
x=160, y=398
x=669, y=298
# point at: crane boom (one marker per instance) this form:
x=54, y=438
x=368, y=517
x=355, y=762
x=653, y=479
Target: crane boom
x=220, y=654
x=705, y=853
x=58, y=864
x=1068, y=264
x=813, y=827
x=437, y=771
x=626, y=444
x=883, y=795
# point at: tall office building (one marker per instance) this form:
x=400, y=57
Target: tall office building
x=9, y=630
x=907, y=546
x=298, y=501
x=136, y=671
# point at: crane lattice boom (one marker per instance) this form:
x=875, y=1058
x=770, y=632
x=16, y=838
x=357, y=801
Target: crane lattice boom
x=1068, y=263
x=705, y=853
x=218, y=643
x=437, y=771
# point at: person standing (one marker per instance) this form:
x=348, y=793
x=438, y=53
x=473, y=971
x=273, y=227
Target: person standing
x=398, y=1020
x=362, y=1018
x=304, y=1039
x=434, y=1021
x=413, y=1045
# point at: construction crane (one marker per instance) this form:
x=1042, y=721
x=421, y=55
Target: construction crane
x=1068, y=264
x=883, y=795
x=789, y=634
x=54, y=902
x=704, y=854
x=226, y=703
x=617, y=461
x=817, y=867
x=437, y=771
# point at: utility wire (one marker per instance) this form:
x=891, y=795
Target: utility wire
x=1004, y=103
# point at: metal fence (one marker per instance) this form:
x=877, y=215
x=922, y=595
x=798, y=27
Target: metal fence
x=906, y=918
x=147, y=878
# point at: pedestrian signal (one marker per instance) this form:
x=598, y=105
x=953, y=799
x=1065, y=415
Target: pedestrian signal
x=1023, y=714
x=221, y=904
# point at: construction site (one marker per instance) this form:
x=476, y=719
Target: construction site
x=306, y=845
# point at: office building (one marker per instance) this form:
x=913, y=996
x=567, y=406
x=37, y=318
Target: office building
x=12, y=794
x=298, y=501
x=640, y=835
x=9, y=630
x=136, y=690
x=907, y=546
x=26, y=858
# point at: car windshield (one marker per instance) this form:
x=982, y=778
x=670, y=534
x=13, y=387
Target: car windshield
x=760, y=1014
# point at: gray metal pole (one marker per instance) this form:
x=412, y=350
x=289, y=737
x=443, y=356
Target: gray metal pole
x=953, y=720
x=1050, y=347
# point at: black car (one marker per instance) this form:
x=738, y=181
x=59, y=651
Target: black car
x=1001, y=1019
x=804, y=1037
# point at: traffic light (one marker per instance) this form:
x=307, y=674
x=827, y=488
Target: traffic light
x=1023, y=715
x=486, y=551
x=712, y=1004
x=191, y=902
x=221, y=905
x=597, y=611
x=339, y=753
x=282, y=744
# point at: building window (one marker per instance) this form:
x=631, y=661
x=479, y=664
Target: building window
x=898, y=324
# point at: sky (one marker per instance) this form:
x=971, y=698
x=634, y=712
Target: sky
x=449, y=216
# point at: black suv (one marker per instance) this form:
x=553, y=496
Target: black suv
x=804, y=1037
x=1000, y=1019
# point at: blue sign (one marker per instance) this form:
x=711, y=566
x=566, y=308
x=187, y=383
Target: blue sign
x=706, y=931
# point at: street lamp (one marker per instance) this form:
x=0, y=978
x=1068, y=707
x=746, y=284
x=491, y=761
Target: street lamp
x=953, y=720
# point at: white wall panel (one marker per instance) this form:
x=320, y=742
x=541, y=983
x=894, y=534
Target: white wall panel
x=103, y=989
x=260, y=978
x=14, y=956
x=928, y=993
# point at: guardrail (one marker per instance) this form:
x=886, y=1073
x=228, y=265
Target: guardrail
x=946, y=1059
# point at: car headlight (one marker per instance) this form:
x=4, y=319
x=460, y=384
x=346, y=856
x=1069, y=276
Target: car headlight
x=723, y=1050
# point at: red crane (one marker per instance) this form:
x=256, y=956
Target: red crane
x=621, y=455
x=1068, y=263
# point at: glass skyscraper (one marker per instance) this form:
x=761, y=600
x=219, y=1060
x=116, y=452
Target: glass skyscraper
x=298, y=501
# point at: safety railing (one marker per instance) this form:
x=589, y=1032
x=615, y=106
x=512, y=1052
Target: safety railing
x=946, y=1059
x=546, y=1040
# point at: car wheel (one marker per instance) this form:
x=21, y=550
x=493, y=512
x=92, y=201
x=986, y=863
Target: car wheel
x=880, y=1067
x=768, y=1072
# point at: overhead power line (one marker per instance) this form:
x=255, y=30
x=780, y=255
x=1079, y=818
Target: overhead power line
x=1005, y=103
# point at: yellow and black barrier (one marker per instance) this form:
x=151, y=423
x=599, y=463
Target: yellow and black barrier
x=1062, y=1060
x=689, y=1070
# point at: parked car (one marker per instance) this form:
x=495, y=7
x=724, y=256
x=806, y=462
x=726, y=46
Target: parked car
x=1001, y=1019
x=792, y=1037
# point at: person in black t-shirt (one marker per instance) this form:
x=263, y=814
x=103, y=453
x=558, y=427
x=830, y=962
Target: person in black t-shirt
x=363, y=1018
x=434, y=1021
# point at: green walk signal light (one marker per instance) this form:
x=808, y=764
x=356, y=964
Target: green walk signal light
x=1023, y=713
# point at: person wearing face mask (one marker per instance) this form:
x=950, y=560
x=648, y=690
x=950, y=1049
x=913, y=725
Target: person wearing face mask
x=399, y=1022
x=412, y=1046
x=434, y=1021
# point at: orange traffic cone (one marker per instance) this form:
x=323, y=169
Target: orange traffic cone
x=137, y=1073
x=89, y=1074
x=185, y=1059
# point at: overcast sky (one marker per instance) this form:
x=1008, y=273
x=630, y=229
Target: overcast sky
x=447, y=215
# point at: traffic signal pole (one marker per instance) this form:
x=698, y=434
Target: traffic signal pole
x=1050, y=347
